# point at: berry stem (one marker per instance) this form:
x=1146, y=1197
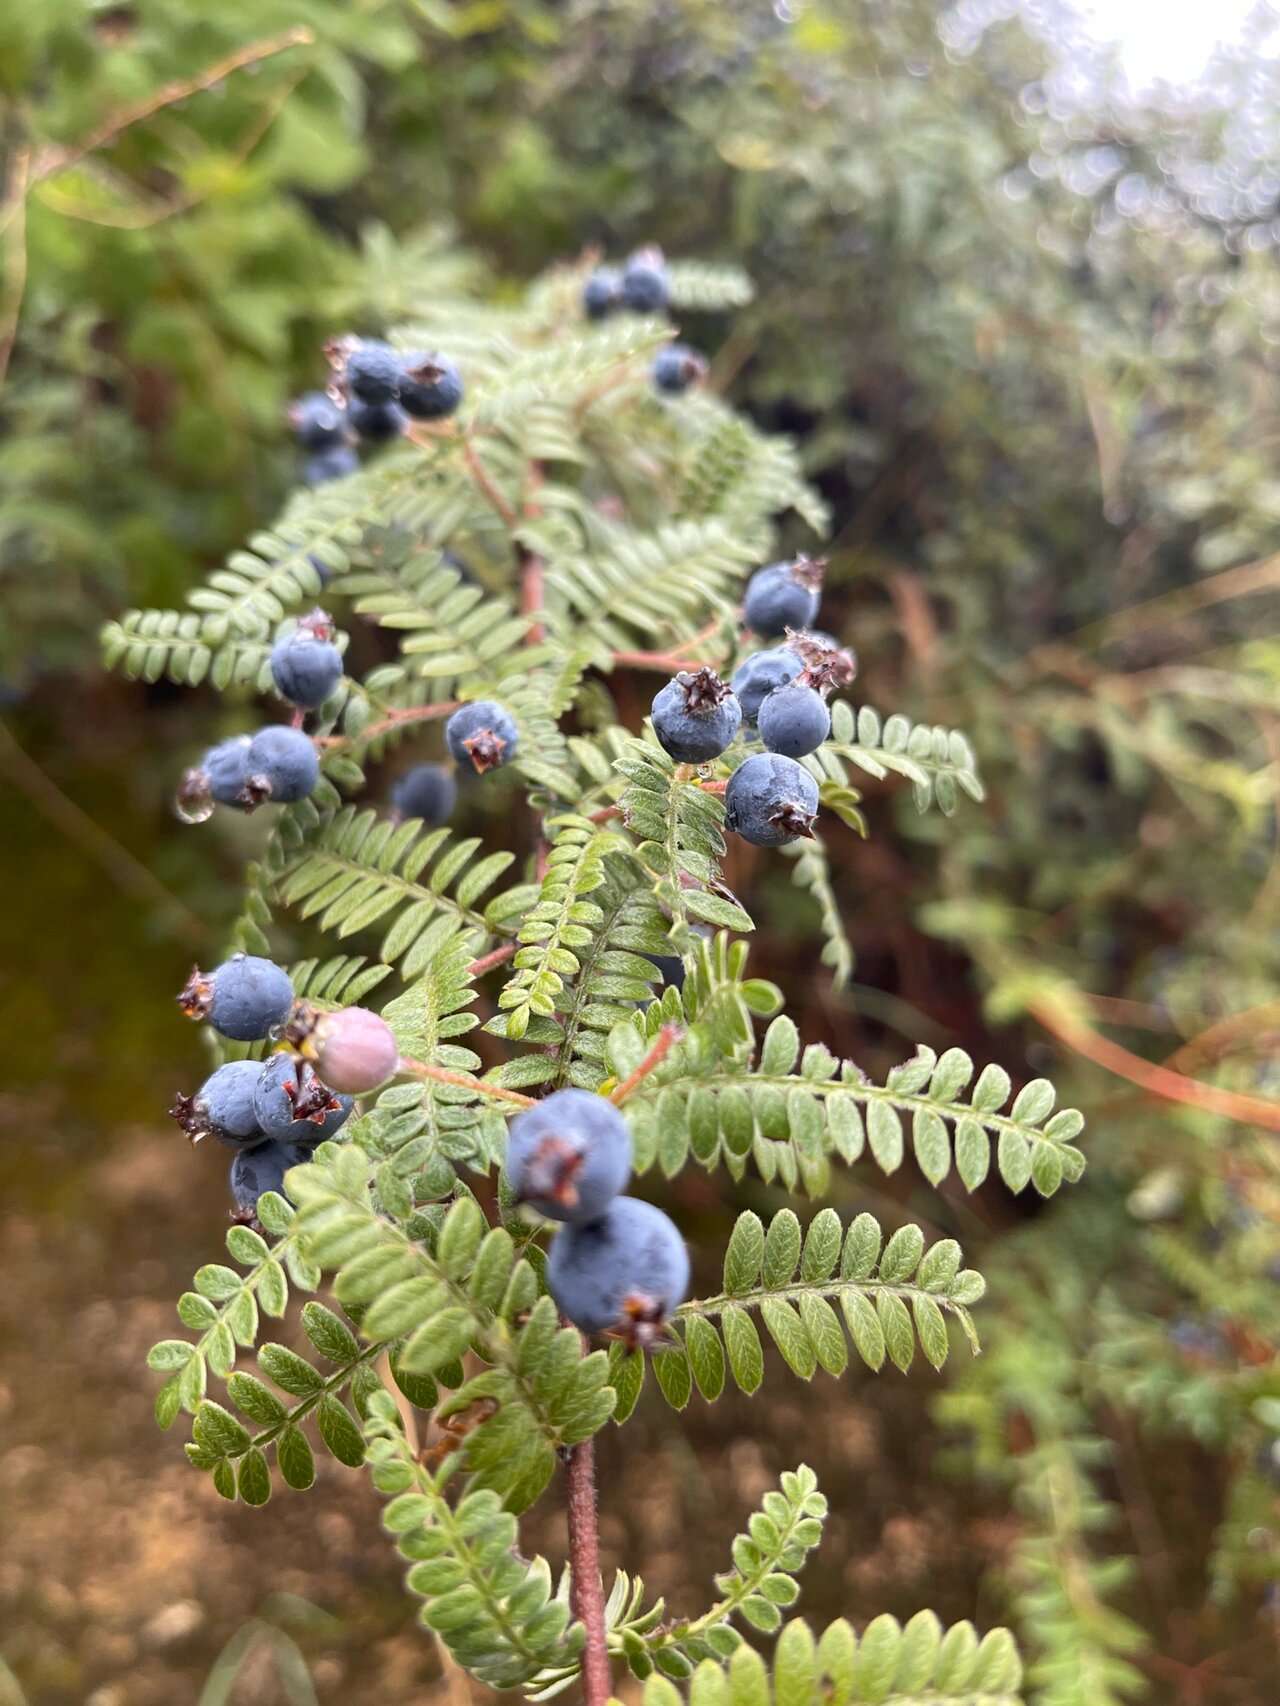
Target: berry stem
x=442, y=1075
x=393, y=720
x=586, y=1590
x=659, y=1049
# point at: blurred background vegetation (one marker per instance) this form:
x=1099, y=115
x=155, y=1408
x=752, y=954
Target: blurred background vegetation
x=1028, y=334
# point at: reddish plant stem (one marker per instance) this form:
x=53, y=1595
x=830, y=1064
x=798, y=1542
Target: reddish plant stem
x=531, y=592
x=586, y=1590
x=674, y=660
x=486, y=962
x=604, y=814
x=442, y=1075
x=484, y=479
x=659, y=1049
x=394, y=720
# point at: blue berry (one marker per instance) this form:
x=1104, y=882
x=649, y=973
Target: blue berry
x=376, y=423
x=676, y=367
x=332, y=464
x=602, y=293
x=320, y=423
x=428, y=791
x=223, y=1106
x=244, y=998
x=370, y=370
x=794, y=720
x=430, y=386
x=646, y=286
x=482, y=735
x=306, y=666
x=624, y=1273
x=771, y=800
x=569, y=1156
x=224, y=765
x=784, y=595
x=696, y=716
x=292, y=1105
x=254, y=1171
x=282, y=765
x=761, y=674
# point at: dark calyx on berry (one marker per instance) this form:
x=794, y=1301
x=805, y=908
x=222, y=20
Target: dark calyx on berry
x=430, y=386
x=826, y=666
x=676, y=368
x=481, y=734
x=703, y=689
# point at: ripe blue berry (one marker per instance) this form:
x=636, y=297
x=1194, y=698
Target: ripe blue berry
x=376, y=423
x=569, y=1156
x=320, y=423
x=244, y=998
x=784, y=595
x=624, y=1273
x=254, y=1171
x=224, y=765
x=696, y=716
x=771, y=800
x=430, y=386
x=293, y=1106
x=282, y=765
x=223, y=1106
x=369, y=369
x=676, y=367
x=646, y=286
x=332, y=464
x=761, y=674
x=354, y=1050
x=602, y=293
x=482, y=735
x=427, y=791
x=794, y=720
x=306, y=666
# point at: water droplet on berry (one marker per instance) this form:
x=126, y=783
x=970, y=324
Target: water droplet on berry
x=193, y=802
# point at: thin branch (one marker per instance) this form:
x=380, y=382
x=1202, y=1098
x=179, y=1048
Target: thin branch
x=394, y=720
x=14, y=209
x=55, y=160
x=498, y=957
x=484, y=479
x=672, y=661
x=1158, y=1080
x=586, y=1590
x=659, y=1049
x=442, y=1075
x=531, y=566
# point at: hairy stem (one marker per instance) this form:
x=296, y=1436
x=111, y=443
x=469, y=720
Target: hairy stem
x=659, y=1049
x=393, y=720
x=442, y=1075
x=586, y=1591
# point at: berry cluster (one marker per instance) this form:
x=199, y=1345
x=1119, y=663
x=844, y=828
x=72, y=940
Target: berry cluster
x=781, y=694
x=274, y=1113
x=374, y=392
x=616, y=1265
x=643, y=286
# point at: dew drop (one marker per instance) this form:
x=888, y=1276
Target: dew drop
x=193, y=803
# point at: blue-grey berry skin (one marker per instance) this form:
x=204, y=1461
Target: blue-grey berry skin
x=244, y=998
x=770, y=800
x=305, y=669
x=691, y=728
x=430, y=385
x=332, y=464
x=761, y=674
x=624, y=1272
x=223, y=1106
x=482, y=736
x=569, y=1156
x=376, y=423
x=676, y=367
x=372, y=372
x=428, y=791
x=254, y=1171
x=292, y=1105
x=282, y=765
x=794, y=720
x=602, y=293
x=225, y=766
x=646, y=287
x=319, y=422
x=777, y=599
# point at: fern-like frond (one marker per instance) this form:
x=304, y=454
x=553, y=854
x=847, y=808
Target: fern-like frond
x=707, y=286
x=936, y=761
x=811, y=871
x=891, y=1299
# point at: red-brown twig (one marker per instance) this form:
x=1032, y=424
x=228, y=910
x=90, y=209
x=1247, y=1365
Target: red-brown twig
x=484, y=479
x=531, y=592
x=586, y=1590
x=442, y=1075
x=498, y=957
x=1158, y=1080
x=659, y=1049
x=672, y=661
x=393, y=720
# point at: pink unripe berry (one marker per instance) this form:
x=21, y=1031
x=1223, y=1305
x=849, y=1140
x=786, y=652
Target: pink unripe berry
x=354, y=1050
